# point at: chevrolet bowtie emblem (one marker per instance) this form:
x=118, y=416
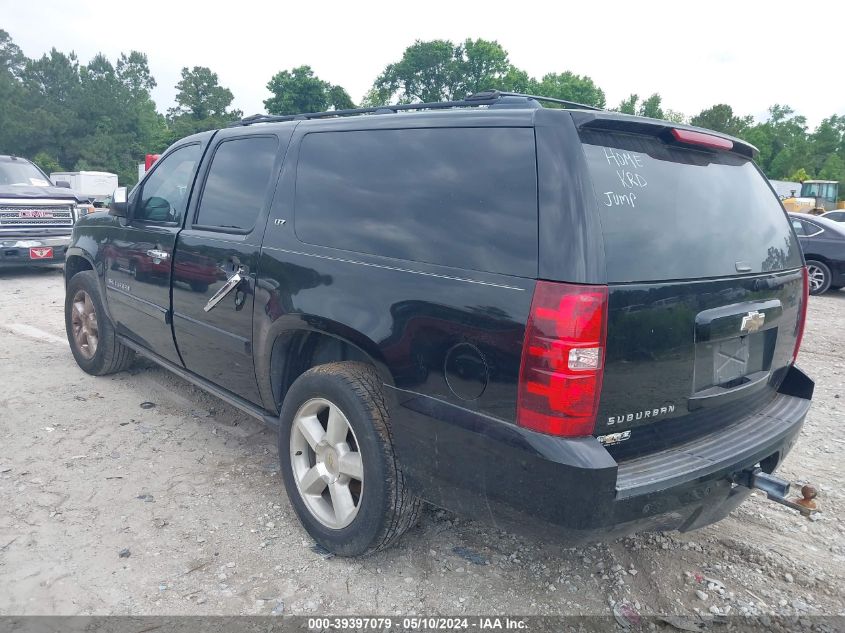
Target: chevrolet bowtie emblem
x=752, y=322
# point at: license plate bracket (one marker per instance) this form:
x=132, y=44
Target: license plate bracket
x=41, y=252
x=730, y=360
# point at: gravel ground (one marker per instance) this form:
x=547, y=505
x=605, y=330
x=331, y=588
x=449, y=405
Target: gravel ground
x=111, y=508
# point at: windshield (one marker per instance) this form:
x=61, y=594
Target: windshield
x=673, y=213
x=21, y=172
x=825, y=190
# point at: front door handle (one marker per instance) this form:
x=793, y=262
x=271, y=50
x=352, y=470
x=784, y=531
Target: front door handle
x=157, y=254
x=228, y=287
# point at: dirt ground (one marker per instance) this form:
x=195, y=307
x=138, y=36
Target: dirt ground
x=189, y=491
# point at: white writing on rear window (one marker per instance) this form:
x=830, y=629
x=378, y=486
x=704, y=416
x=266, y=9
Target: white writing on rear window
x=627, y=165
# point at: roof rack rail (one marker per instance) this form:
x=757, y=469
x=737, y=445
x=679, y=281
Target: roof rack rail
x=568, y=104
x=485, y=98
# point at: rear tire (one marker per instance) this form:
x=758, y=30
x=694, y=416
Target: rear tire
x=90, y=333
x=317, y=467
x=820, y=277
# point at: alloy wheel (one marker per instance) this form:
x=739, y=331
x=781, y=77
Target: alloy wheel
x=816, y=277
x=326, y=463
x=86, y=334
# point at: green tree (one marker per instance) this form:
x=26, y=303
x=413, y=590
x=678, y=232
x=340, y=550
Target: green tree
x=299, y=90
x=833, y=168
x=200, y=95
x=721, y=118
x=674, y=116
x=68, y=116
x=46, y=162
x=799, y=175
x=782, y=141
x=438, y=70
x=826, y=142
x=12, y=60
x=629, y=105
x=201, y=104
x=12, y=110
x=650, y=107
x=479, y=65
x=133, y=71
x=571, y=87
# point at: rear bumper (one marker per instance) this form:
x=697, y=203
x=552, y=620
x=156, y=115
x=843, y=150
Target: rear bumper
x=14, y=251
x=573, y=488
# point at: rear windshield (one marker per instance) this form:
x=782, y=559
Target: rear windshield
x=674, y=213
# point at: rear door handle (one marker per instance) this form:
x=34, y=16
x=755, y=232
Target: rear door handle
x=157, y=254
x=228, y=287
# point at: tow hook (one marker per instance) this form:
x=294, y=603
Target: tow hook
x=776, y=489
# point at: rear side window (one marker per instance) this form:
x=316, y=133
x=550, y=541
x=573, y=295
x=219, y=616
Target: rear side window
x=811, y=229
x=237, y=183
x=673, y=213
x=464, y=197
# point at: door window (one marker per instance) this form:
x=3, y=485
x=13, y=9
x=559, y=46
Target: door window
x=164, y=195
x=237, y=183
x=811, y=229
x=799, y=227
x=461, y=197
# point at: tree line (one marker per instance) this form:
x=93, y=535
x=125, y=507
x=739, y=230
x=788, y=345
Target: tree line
x=100, y=116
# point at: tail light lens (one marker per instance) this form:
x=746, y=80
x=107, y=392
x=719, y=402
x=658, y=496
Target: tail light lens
x=802, y=312
x=563, y=359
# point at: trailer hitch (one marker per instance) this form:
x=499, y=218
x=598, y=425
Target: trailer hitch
x=776, y=489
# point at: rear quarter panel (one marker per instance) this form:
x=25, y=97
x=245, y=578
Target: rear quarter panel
x=405, y=315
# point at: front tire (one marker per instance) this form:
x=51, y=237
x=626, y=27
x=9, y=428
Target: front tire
x=819, y=275
x=90, y=333
x=338, y=463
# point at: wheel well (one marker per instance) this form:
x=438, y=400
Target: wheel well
x=817, y=258
x=294, y=353
x=75, y=264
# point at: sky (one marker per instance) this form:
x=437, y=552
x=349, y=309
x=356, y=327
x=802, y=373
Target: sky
x=749, y=54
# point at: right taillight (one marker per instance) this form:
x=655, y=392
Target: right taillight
x=563, y=359
x=802, y=312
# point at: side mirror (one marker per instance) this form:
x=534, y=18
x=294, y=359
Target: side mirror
x=118, y=206
x=63, y=183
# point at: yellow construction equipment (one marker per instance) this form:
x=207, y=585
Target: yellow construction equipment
x=817, y=197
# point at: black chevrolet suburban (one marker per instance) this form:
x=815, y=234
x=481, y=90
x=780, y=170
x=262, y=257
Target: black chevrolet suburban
x=563, y=316
x=36, y=215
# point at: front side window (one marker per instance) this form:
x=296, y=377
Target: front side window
x=237, y=183
x=164, y=195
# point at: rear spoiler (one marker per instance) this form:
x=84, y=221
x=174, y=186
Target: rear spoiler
x=669, y=132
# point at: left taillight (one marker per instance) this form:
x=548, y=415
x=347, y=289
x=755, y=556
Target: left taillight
x=563, y=353
x=802, y=312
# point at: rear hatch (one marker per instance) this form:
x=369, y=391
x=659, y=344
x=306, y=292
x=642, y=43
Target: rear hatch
x=705, y=286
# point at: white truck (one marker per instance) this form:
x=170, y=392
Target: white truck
x=89, y=184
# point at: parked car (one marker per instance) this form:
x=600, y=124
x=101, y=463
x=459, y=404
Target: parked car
x=542, y=315
x=36, y=216
x=836, y=216
x=823, y=242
